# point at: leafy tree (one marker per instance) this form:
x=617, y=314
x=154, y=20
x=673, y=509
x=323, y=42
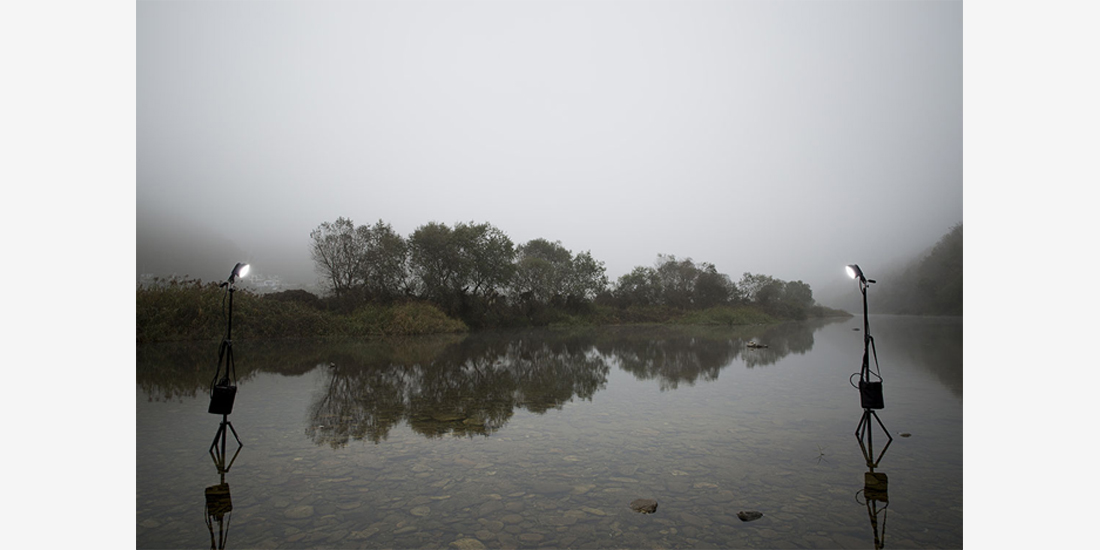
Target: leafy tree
x=535, y=280
x=796, y=300
x=587, y=277
x=789, y=299
x=541, y=270
x=798, y=293
x=434, y=262
x=760, y=289
x=677, y=280
x=640, y=287
x=485, y=257
x=547, y=272
x=385, y=265
x=360, y=262
x=338, y=252
x=463, y=267
x=680, y=284
x=552, y=252
x=712, y=288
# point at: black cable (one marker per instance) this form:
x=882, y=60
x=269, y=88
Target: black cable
x=221, y=354
x=224, y=294
x=878, y=371
x=225, y=350
x=866, y=366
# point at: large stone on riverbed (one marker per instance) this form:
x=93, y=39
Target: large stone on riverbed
x=749, y=515
x=299, y=512
x=644, y=505
x=468, y=544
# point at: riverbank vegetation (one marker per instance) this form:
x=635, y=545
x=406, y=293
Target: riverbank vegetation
x=190, y=310
x=452, y=279
x=932, y=284
x=186, y=309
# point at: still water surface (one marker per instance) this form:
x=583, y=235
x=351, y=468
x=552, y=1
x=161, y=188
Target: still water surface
x=544, y=438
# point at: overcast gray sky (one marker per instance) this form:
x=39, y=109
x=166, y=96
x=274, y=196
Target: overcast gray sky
x=785, y=138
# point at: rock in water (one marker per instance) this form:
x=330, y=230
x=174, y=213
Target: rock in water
x=299, y=512
x=749, y=515
x=644, y=505
x=468, y=544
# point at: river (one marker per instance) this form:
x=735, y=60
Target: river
x=543, y=438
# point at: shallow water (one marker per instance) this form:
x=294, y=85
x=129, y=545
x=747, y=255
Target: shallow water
x=543, y=438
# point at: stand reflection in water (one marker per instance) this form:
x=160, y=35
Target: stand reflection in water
x=875, y=484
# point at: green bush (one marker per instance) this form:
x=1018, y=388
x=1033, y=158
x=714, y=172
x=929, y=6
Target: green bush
x=419, y=318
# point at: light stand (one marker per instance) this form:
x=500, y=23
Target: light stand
x=870, y=392
x=223, y=391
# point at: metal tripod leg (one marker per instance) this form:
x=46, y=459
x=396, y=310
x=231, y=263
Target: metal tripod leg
x=864, y=432
x=218, y=452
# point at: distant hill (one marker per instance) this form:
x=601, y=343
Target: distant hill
x=932, y=284
x=171, y=245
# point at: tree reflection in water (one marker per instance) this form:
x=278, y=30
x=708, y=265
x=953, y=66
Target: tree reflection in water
x=676, y=355
x=470, y=388
x=467, y=385
x=473, y=387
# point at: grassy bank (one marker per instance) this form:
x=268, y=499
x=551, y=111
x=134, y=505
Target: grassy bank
x=718, y=316
x=191, y=310
x=180, y=310
x=728, y=316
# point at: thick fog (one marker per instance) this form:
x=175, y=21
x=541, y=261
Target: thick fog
x=781, y=138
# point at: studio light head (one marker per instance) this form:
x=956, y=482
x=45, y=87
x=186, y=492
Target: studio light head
x=855, y=272
x=239, y=271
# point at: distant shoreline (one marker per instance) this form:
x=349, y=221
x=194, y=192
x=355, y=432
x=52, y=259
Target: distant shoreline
x=195, y=311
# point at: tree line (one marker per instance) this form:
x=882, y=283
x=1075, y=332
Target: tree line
x=930, y=285
x=475, y=272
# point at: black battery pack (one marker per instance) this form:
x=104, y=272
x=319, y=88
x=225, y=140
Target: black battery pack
x=221, y=399
x=870, y=395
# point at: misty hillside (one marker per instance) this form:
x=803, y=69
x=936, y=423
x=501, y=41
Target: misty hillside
x=171, y=245
x=929, y=285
